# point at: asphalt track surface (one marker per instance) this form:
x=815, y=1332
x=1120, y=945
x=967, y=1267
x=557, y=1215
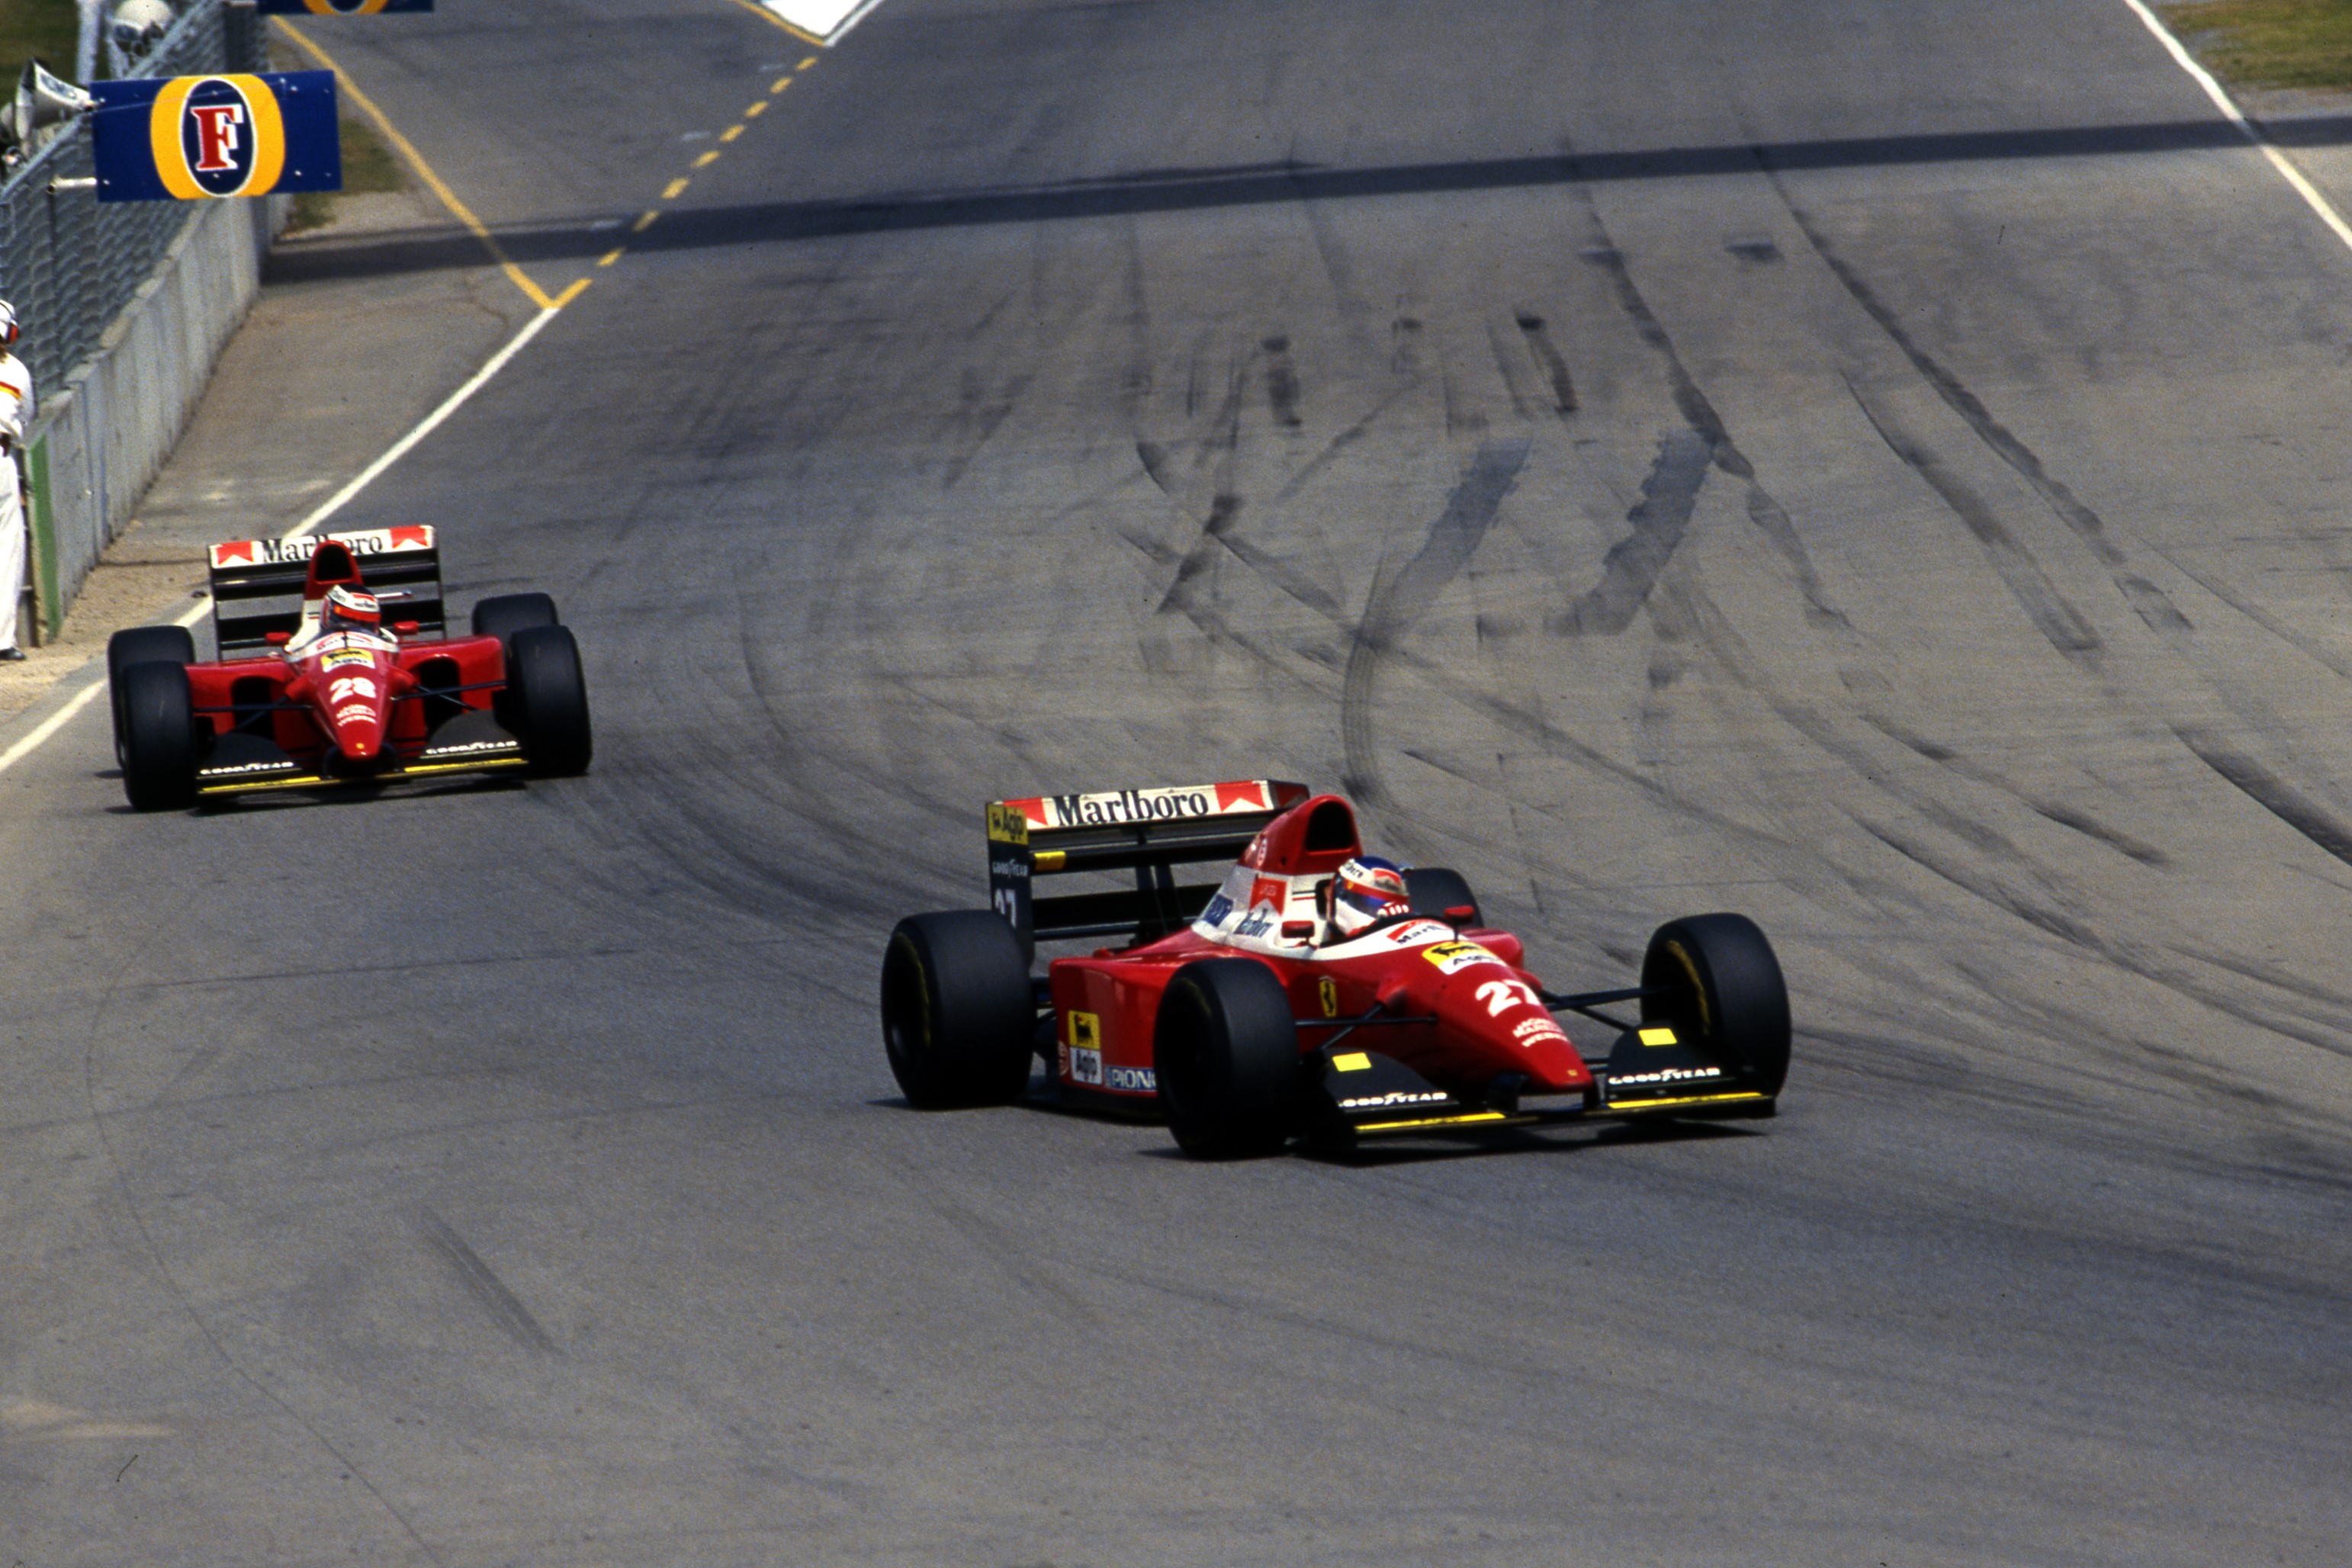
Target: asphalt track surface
x=1925, y=535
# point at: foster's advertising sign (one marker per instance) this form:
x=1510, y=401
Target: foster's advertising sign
x=193, y=137
x=339, y=7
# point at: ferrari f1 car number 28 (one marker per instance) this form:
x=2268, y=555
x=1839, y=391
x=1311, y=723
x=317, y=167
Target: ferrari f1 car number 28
x=317, y=686
x=1314, y=993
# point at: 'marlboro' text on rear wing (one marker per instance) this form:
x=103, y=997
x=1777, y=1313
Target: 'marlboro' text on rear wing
x=1151, y=830
x=257, y=583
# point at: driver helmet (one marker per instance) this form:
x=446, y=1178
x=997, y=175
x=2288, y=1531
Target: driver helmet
x=351, y=610
x=1368, y=892
x=11, y=333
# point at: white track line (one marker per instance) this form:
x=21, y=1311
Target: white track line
x=2236, y=116
x=50, y=725
x=333, y=504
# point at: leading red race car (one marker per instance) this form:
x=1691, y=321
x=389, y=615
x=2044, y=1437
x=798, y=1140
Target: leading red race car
x=328, y=678
x=1316, y=993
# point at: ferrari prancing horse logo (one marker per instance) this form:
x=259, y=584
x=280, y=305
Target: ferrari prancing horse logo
x=1328, y=989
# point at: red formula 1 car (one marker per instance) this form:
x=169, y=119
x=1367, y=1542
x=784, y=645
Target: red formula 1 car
x=1260, y=1010
x=327, y=677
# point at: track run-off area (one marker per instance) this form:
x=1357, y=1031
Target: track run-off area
x=1879, y=468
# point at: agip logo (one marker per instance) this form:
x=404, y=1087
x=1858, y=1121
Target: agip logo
x=217, y=136
x=198, y=138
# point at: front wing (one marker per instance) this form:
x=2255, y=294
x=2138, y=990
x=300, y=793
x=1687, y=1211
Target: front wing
x=471, y=742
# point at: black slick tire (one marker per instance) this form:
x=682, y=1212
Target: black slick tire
x=959, y=1016
x=1434, y=889
x=1225, y=1054
x=506, y=613
x=159, y=736
x=141, y=645
x=547, y=700
x=1719, y=986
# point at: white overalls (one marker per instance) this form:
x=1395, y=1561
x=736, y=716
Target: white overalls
x=16, y=412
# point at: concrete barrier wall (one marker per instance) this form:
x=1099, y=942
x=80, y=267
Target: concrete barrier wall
x=101, y=438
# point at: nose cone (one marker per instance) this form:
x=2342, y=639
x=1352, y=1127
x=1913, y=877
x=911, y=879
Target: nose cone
x=1491, y=1016
x=356, y=714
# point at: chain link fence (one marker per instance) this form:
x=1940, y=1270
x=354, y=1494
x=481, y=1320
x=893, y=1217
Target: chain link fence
x=70, y=263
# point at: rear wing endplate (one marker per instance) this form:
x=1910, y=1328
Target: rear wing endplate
x=257, y=583
x=1151, y=831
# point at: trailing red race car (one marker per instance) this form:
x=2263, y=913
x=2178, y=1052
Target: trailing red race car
x=1318, y=992
x=318, y=685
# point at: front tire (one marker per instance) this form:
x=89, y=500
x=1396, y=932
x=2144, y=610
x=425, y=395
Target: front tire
x=547, y=700
x=958, y=1015
x=1433, y=889
x=508, y=613
x=159, y=736
x=140, y=644
x=1226, y=1054
x=1719, y=986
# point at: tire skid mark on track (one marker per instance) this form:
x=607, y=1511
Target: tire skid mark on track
x=2269, y=792
x=2059, y=812
x=1398, y=601
x=1549, y=357
x=149, y=1252
x=482, y=1283
x=1763, y=510
x=2062, y=626
x=1523, y=405
x=2145, y=598
x=984, y=408
x=1657, y=523
x=2055, y=909
x=2054, y=923
x=1282, y=394
x=2155, y=609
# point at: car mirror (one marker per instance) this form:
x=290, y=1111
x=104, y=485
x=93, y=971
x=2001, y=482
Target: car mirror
x=278, y=639
x=1461, y=914
x=407, y=628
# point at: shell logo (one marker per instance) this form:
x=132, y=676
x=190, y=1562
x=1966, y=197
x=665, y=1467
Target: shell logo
x=218, y=135
x=344, y=7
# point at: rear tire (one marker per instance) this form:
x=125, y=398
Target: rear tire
x=1724, y=993
x=1434, y=889
x=547, y=700
x=141, y=644
x=959, y=1017
x=159, y=736
x=508, y=613
x=1225, y=1052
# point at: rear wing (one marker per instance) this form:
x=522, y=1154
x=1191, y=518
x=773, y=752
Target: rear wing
x=1151, y=831
x=257, y=584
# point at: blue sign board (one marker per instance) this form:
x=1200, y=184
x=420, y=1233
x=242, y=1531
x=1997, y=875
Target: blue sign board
x=191, y=138
x=339, y=7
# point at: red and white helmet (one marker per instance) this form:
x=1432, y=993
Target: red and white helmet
x=350, y=609
x=11, y=333
x=1369, y=890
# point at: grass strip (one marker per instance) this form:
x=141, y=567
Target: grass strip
x=50, y=29
x=368, y=167
x=2270, y=43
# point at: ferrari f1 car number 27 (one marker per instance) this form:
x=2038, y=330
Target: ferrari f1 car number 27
x=1314, y=993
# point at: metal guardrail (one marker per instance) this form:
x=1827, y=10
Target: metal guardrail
x=67, y=262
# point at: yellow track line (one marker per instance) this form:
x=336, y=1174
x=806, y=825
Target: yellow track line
x=464, y=214
x=775, y=21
